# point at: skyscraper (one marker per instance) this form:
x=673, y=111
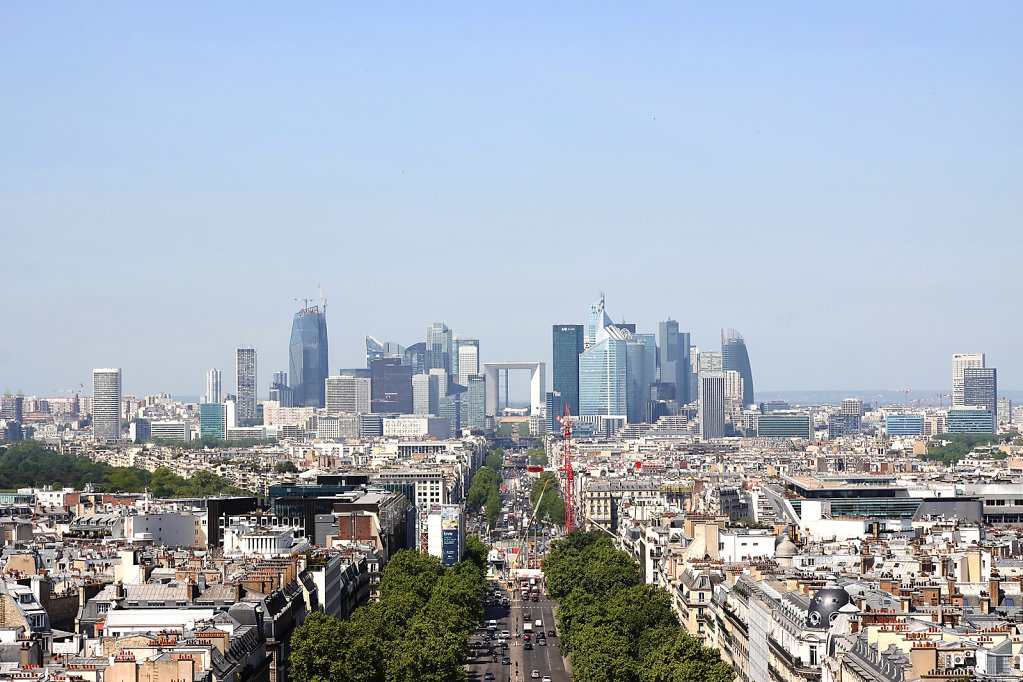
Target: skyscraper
x=425, y=394
x=674, y=359
x=381, y=349
x=960, y=362
x=106, y=404
x=568, y=346
x=598, y=320
x=637, y=392
x=347, y=394
x=735, y=357
x=980, y=388
x=438, y=347
x=465, y=360
x=391, y=386
x=474, y=402
x=213, y=388
x=712, y=405
x=308, y=357
x=245, y=372
x=603, y=376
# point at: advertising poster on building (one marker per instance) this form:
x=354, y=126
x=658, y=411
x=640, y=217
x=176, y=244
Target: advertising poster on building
x=449, y=520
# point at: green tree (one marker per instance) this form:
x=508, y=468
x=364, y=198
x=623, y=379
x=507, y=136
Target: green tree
x=493, y=507
x=476, y=553
x=495, y=459
x=286, y=467
x=315, y=648
x=538, y=456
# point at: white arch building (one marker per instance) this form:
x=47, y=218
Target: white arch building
x=537, y=383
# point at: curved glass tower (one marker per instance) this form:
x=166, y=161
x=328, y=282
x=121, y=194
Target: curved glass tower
x=308, y=357
x=734, y=356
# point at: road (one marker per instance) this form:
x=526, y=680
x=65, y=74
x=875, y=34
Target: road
x=545, y=659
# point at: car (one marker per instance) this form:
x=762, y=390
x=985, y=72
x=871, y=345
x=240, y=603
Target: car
x=552, y=633
x=505, y=634
x=488, y=675
x=546, y=678
x=535, y=673
x=505, y=661
x=526, y=637
x=528, y=646
x=542, y=641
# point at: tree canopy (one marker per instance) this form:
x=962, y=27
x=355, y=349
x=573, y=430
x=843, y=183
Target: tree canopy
x=552, y=506
x=31, y=463
x=418, y=630
x=485, y=490
x=615, y=627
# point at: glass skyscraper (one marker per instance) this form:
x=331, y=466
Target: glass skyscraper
x=308, y=357
x=735, y=357
x=980, y=388
x=438, y=347
x=568, y=346
x=602, y=376
x=599, y=319
x=674, y=360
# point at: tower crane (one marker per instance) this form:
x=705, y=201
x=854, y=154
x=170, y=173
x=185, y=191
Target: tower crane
x=323, y=299
x=907, y=391
x=304, y=302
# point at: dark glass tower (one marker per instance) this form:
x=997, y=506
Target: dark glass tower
x=568, y=345
x=308, y=357
x=980, y=388
x=735, y=357
x=673, y=358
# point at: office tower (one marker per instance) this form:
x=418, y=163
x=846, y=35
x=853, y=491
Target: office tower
x=465, y=359
x=213, y=420
x=960, y=362
x=850, y=415
x=710, y=361
x=425, y=394
x=245, y=372
x=602, y=376
x=308, y=357
x=474, y=402
x=438, y=347
x=382, y=349
x=734, y=356
x=554, y=406
x=415, y=357
x=12, y=407
x=347, y=394
x=598, y=320
x=980, y=388
x=450, y=406
x=694, y=373
x=280, y=392
x=391, y=386
x=970, y=420
x=712, y=405
x=106, y=404
x=673, y=360
x=1004, y=411
x=568, y=346
x=637, y=392
x=213, y=388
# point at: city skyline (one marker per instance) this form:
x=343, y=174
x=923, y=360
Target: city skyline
x=849, y=154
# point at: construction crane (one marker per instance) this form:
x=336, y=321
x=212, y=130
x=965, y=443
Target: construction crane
x=941, y=400
x=323, y=299
x=567, y=474
x=304, y=302
x=529, y=524
x=907, y=391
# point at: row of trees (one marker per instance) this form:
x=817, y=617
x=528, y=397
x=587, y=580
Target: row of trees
x=552, y=506
x=30, y=463
x=616, y=627
x=537, y=455
x=485, y=490
x=417, y=632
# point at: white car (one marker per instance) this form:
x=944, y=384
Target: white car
x=546, y=678
x=535, y=673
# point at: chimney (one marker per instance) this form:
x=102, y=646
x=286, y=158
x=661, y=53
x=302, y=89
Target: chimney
x=191, y=591
x=994, y=589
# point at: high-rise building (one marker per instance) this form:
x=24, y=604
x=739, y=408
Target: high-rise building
x=734, y=356
x=245, y=372
x=382, y=349
x=425, y=394
x=555, y=407
x=214, y=391
x=348, y=395
x=603, y=376
x=465, y=359
x=474, y=402
x=216, y=418
x=12, y=407
x=980, y=388
x=712, y=404
x=280, y=392
x=637, y=392
x=391, y=386
x=438, y=347
x=415, y=357
x=710, y=361
x=598, y=320
x=308, y=357
x=106, y=404
x=568, y=346
x=960, y=362
x=1004, y=411
x=970, y=420
x=673, y=360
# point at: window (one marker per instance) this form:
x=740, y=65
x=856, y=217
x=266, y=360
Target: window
x=813, y=656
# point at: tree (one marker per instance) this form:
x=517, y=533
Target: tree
x=495, y=459
x=538, y=456
x=315, y=645
x=286, y=467
x=476, y=553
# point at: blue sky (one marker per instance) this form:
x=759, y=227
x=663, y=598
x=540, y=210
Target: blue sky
x=841, y=183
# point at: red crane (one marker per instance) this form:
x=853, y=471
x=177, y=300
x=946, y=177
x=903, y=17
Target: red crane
x=907, y=391
x=941, y=400
x=567, y=474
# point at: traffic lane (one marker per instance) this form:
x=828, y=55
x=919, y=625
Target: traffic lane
x=481, y=662
x=546, y=659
